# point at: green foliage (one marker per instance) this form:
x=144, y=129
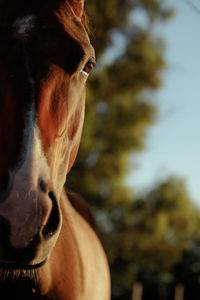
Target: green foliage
x=118, y=110
x=151, y=235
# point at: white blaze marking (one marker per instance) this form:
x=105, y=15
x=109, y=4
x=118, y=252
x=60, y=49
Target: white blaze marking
x=23, y=26
x=26, y=206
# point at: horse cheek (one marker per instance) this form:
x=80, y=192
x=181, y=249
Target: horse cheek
x=73, y=155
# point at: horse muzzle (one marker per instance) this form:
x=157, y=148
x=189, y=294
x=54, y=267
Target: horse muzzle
x=29, y=226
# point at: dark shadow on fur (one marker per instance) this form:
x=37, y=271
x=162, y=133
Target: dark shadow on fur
x=82, y=208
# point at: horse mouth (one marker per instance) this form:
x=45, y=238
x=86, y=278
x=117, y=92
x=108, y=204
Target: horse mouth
x=19, y=274
x=20, y=266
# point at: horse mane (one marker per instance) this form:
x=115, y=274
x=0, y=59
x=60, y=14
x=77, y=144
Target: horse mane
x=82, y=208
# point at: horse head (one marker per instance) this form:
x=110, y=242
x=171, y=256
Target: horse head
x=45, y=59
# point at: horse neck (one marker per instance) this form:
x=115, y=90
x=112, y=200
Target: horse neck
x=74, y=260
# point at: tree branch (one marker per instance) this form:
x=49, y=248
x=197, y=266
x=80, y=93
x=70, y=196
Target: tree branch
x=193, y=6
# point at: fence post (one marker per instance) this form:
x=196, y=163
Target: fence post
x=137, y=291
x=179, y=292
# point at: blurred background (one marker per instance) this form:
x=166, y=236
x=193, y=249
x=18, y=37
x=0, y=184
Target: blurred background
x=138, y=163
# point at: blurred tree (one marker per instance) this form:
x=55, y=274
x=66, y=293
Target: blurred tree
x=118, y=110
x=150, y=236
x=187, y=270
x=140, y=236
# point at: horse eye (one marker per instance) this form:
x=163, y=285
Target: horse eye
x=89, y=67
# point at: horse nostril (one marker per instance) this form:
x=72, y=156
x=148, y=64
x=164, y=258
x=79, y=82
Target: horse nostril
x=5, y=183
x=4, y=233
x=42, y=186
x=54, y=218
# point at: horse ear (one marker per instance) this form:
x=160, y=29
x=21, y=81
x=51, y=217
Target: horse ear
x=77, y=6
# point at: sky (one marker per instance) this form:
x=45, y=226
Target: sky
x=173, y=143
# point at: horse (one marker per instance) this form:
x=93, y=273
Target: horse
x=48, y=250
